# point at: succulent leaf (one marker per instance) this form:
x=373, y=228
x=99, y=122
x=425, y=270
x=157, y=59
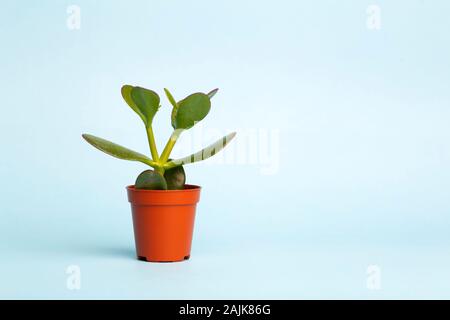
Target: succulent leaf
x=204, y=153
x=190, y=110
x=116, y=150
x=150, y=180
x=175, y=178
x=143, y=101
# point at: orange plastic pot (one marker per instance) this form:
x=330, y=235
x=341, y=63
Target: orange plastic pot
x=163, y=222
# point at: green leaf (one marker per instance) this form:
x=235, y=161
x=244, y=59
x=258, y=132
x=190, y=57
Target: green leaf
x=173, y=116
x=191, y=110
x=202, y=154
x=175, y=178
x=212, y=93
x=126, y=94
x=170, y=98
x=143, y=101
x=147, y=101
x=116, y=150
x=150, y=180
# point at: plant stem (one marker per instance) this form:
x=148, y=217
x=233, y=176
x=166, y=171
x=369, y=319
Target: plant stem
x=152, y=144
x=152, y=164
x=169, y=146
x=161, y=170
x=169, y=165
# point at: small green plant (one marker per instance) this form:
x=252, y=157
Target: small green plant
x=168, y=174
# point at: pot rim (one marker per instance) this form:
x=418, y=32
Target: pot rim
x=191, y=188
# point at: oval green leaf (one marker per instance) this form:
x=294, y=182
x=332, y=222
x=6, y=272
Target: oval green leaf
x=143, y=101
x=116, y=150
x=175, y=178
x=126, y=94
x=150, y=180
x=191, y=110
x=147, y=101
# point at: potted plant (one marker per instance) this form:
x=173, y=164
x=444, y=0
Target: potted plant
x=163, y=205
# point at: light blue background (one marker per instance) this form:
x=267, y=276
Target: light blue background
x=364, y=150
